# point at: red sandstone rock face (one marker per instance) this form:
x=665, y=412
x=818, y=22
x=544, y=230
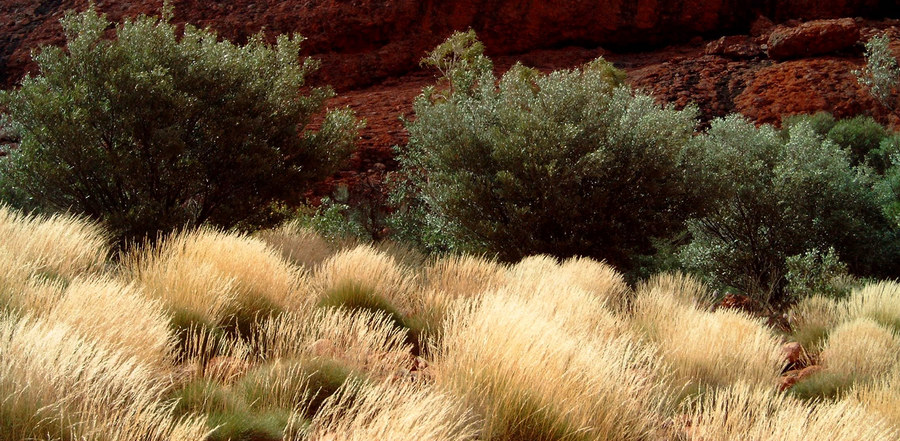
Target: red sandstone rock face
x=812, y=38
x=363, y=41
x=806, y=86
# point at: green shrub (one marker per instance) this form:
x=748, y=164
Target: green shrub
x=882, y=72
x=817, y=272
x=564, y=163
x=860, y=136
x=820, y=122
x=152, y=131
x=779, y=197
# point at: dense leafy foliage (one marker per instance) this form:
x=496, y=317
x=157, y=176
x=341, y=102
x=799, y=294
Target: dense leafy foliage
x=882, y=72
x=782, y=195
x=565, y=163
x=155, y=130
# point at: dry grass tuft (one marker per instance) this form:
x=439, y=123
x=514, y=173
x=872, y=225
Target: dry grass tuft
x=60, y=246
x=705, y=349
x=367, y=341
x=812, y=318
x=861, y=349
x=882, y=397
x=55, y=384
x=367, y=267
x=298, y=244
x=390, y=412
x=211, y=276
x=118, y=317
x=531, y=378
x=877, y=301
x=744, y=412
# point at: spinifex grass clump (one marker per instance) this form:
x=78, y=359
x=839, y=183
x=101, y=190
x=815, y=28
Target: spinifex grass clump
x=529, y=377
x=213, y=278
x=57, y=247
x=857, y=352
x=401, y=412
x=117, y=316
x=669, y=313
x=750, y=412
x=56, y=384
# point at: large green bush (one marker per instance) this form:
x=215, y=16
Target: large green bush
x=152, y=131
x=881, y=74
x=783, y=195
x=564, y=163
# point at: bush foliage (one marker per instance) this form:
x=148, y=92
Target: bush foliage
x=782, y=195
x=564, y=163
x=152, y=131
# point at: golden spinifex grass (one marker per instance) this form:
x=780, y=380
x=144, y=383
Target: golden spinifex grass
x=371, y=269
x=812, y=318
x=117, y=316
x=882, y=397
x=60, y=246
x=211, y=276
x=529, y=377
x=877, y=301
x=390, y=412
x=368, y=341
x=298, y=244
x=861, y=350
x=702, y=348
x=56, y=384
x=751, y=412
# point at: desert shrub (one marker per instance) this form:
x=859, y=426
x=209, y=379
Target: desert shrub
x=568, y=163
x=820, y=122
x=882, y=72
x=781, y=197
x=817, y=272
x=860, y=136
x=157, y=128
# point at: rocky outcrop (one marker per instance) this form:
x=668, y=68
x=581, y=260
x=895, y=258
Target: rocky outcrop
x=363, y=41
x=735, y=47
x=806, y=86
x=813, y=38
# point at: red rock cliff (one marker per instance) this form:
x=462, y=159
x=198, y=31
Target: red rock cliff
x=361, y=41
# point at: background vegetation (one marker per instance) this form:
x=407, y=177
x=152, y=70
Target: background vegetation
x=564, y=244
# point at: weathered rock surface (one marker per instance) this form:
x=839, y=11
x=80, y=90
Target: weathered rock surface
x=812, y=38
x=734, y=46
x=363, y=41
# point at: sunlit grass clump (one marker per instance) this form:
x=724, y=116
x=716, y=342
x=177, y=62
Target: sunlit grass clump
x=211, y=277
x=54, y=383
x=529, y=378
x=282, y=335
x=704, y=349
